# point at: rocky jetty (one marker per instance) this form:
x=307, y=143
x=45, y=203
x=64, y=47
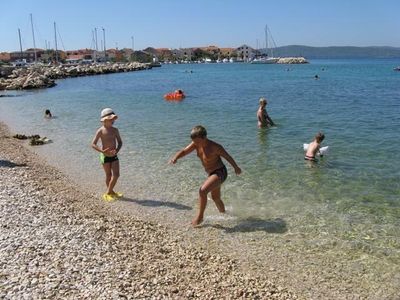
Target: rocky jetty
x=292, y=60
x=35, y=77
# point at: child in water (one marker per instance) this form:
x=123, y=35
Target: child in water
x=210, y=154
x=47, y=114
x=262, y=116
x=314, y=147
x=111, y=144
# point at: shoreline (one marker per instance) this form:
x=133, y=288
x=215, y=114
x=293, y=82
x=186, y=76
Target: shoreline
x=65, y=243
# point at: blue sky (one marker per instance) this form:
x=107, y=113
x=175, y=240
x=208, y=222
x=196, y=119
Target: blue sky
x=179, y=23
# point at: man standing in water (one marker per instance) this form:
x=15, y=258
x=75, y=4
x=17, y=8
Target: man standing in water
x=262, y=116
x=210, y=154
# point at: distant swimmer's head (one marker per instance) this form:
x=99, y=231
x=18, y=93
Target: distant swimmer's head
x=108, y=114
x=47, y=113
x=319, y=137
x=198, y=132
x=263, y=101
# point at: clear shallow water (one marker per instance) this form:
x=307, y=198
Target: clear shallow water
x=352, y=194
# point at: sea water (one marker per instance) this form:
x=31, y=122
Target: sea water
x=353, y=193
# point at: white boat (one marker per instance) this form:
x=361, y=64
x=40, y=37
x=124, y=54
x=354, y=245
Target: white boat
x=225, y=60
x=266, y=58
x=396, y=69
x=231, y=60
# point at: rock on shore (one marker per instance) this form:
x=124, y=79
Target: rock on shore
x=292, y=60
x=57, y=242
x=38, y=76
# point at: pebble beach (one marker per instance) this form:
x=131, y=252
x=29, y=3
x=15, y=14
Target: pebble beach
x=57, y=242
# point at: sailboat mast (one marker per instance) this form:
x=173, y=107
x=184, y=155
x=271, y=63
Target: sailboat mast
x=20, y=44
x=34, y=43
x=257, y=49
x=55, y=39
x=266, y=39
x=95, y=35
x=273, y=44
x=104, y=43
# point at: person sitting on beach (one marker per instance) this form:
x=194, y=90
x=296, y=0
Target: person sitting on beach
x=314, y=147
x=210, y=154
x=111, y=144
x=47, y=114
x=262, y=116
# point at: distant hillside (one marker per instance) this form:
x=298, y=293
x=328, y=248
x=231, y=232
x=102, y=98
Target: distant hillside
x=338, y=52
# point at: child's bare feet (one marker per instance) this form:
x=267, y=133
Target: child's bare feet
x=197, y=221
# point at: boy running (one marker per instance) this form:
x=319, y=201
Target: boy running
x=210, y=154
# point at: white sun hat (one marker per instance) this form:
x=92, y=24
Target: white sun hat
x=108, y=114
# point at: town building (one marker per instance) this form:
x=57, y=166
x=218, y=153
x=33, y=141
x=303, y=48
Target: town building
x=245, y=52
x=28, y=55
x=80, y=55
x=183, y=53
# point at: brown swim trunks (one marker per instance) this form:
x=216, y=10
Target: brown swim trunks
x=222, y=173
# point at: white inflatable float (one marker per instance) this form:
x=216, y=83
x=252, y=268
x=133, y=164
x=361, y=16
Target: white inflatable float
x=322, y=150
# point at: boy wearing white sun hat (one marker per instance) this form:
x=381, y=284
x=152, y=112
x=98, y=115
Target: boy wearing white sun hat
x=111, y=143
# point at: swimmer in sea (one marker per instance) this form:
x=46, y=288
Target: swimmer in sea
x=47, y=114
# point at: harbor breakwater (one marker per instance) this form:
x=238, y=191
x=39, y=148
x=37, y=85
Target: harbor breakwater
x=38, y=76
x=292, y=60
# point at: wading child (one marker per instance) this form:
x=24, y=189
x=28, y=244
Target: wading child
x=210, y=154
x=314, y=147
x=111, y=143
x=263, y=118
